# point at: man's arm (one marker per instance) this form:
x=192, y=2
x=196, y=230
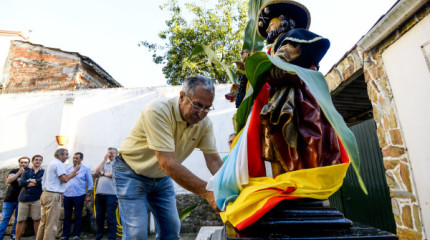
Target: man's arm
x=13, y=176
x=213, y=162
x=32, y=182
x=23, y=182
x=184, y=177
x=100, y=166
x=66, y=177
x=109, y=175
x=39, y=180
x=90, y=187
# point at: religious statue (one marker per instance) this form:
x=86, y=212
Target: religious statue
x=286, y=118
x=296, y=134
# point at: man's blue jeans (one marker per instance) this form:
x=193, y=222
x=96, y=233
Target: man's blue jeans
x=106, y=210
x=136, y=193
x=78, y=204
x=6, y=214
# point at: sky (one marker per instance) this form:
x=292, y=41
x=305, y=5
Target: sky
x=108, y=31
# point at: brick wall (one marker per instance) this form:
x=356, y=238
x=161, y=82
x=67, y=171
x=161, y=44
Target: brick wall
x=31, y=67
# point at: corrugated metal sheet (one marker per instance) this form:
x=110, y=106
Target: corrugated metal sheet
x=374, y=209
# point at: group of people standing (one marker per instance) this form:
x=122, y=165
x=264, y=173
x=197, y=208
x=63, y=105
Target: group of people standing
x=40, y=193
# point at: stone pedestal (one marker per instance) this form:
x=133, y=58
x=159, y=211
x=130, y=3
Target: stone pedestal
x=305, y=219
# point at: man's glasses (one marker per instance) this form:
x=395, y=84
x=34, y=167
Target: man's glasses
x=200, y=109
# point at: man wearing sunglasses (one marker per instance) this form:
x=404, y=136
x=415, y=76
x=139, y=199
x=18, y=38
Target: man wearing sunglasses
x=165, y=134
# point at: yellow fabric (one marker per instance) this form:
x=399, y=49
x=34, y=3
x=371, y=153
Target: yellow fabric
x=160, y=127
x=316, y=183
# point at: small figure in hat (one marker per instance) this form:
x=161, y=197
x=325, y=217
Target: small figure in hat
x=277, y=17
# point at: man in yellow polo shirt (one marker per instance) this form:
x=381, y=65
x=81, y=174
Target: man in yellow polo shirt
x=166, y=132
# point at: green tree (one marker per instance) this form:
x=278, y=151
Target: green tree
x=220, y=28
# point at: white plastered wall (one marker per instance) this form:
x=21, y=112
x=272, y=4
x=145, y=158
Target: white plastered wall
x=409, y=77
x=93, y=120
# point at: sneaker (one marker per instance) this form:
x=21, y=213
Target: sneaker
x=12, y=236
x=64, y=238
x=75, y=238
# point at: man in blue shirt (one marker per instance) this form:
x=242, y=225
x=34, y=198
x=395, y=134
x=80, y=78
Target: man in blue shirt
x=29, y=197
x=75, y=195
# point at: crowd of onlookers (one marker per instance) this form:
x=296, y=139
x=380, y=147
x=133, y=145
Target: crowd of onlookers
x=40, y=193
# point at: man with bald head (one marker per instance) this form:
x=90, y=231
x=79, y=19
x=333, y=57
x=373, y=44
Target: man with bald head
x=165, y=134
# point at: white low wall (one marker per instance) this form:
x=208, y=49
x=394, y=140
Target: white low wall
x=93, y=120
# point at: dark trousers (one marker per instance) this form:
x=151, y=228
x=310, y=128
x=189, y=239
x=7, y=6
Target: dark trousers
x=71, y=203
x=106, y=209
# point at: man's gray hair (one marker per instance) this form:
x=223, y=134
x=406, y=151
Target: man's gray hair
x=114, y=149
x=59, y=152
x=191, y=83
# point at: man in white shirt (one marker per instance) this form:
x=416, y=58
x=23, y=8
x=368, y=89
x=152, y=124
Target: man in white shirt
x=53, y=184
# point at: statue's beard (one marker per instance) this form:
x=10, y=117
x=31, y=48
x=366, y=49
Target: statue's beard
x=273, y=35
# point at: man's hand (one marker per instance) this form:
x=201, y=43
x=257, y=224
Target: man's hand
x=32, y=180
x=21, y=170
x=65, y=178
x=77, y=167
x=184, y=177
x=209, y=196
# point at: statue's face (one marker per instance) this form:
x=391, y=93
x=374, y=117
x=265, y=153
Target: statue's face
x=273, y=25
x=289, y=52
x=274, y=30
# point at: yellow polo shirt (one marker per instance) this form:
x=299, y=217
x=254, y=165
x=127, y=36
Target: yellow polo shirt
x=160, y=127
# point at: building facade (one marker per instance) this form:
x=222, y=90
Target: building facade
x=392, y=59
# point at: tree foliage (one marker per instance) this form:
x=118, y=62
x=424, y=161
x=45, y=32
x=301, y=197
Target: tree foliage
x=220, y=28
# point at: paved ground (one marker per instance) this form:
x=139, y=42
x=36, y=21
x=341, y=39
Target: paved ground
x=88, y=236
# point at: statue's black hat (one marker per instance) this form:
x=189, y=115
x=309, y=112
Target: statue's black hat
x=290, y=9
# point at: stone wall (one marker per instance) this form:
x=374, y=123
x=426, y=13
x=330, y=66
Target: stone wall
x=399, y=176
x=351, y=64
x=31, y=67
